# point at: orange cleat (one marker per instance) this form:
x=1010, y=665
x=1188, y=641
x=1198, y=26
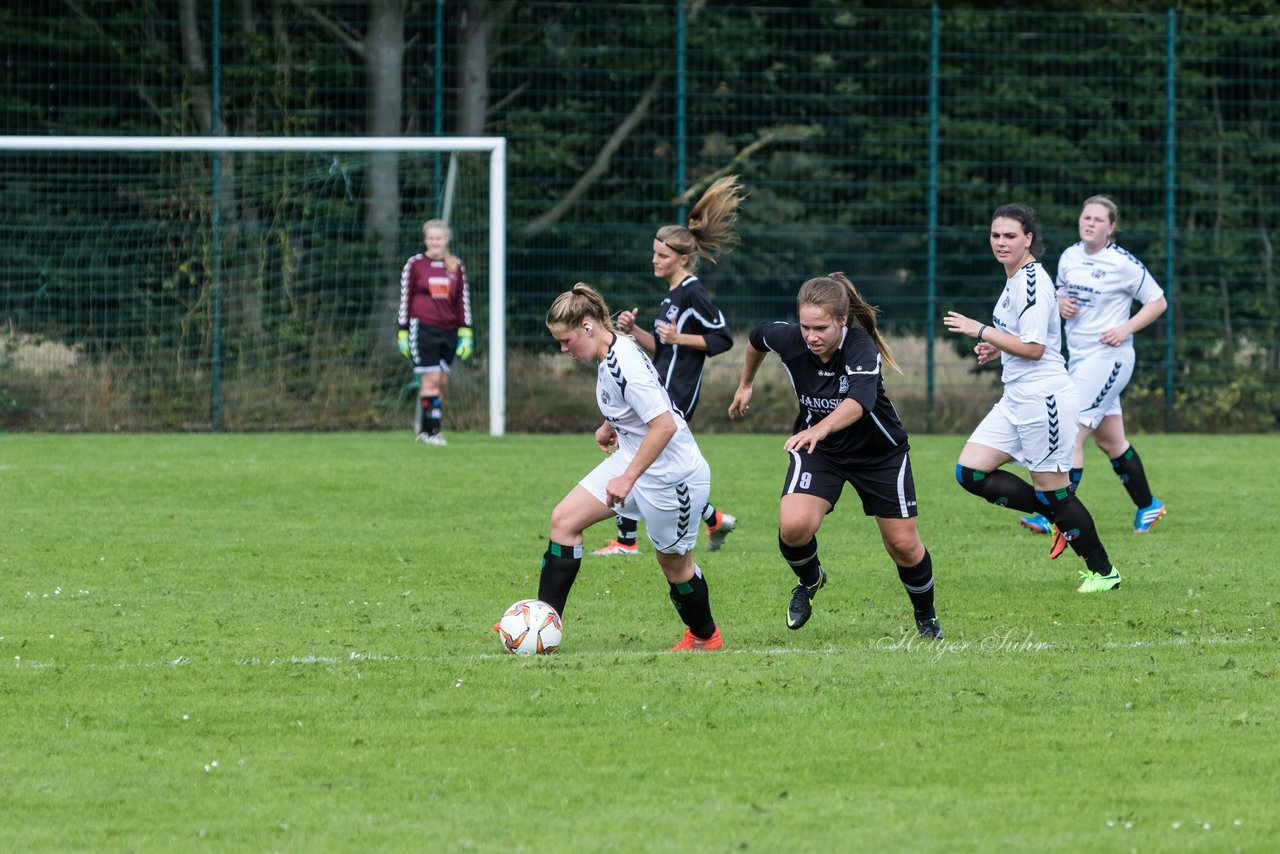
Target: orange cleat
x=692, y=643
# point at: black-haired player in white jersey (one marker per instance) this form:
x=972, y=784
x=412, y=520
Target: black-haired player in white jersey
x=847, y=431
x=1098, y=283
x=654, y=470
x=687, y=328
x=1034, y=422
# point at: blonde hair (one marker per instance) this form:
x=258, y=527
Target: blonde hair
x=577, y=305
x=1113, y=210
x=711, y=223
x=450, y=260
x=835, y=294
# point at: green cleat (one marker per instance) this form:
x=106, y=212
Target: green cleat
x=1092, y=582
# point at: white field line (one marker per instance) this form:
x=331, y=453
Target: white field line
x=936, y=650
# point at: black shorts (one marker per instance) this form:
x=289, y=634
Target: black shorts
x=886, y=487
x=431, y=348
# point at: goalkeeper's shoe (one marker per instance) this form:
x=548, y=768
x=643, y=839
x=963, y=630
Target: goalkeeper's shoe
x=616, y=548
x=431, y=439
x=1092, y=582
x=692, y=643
x=1037, y=524
x=1146, y=517
x=716, y=533
x=801, y=607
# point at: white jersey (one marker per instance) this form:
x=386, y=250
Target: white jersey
x=630, y=395
x=1028, y=308
x=1104, y=286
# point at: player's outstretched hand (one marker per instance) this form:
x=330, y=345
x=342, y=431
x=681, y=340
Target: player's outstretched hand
x=741, y=402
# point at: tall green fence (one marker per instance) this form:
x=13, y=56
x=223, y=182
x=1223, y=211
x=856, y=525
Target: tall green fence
x=874, y=141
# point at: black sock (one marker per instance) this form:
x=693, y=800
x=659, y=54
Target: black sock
x=1128, y=467
x=918, y=581
x=803, y=560
x=1000, y=488
x=693, y=603
x=627, y=530
x=1072, y=518
x=431, y=407
x=560, y=565
x=709, y=513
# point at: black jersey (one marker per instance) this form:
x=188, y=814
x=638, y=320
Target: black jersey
x=691, y=311
x=853, y=372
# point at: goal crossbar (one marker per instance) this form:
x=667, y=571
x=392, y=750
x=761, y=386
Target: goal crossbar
x=495, y=146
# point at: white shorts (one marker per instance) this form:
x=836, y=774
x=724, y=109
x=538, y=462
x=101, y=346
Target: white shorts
x=1099, y=379
x=671, y=511
x=1034, y=422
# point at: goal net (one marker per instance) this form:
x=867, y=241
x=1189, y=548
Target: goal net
x=183, y=283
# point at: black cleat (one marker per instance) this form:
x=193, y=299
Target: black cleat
x=929, y=628
x=800, y=609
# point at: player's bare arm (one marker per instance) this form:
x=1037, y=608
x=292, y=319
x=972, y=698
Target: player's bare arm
x=607, y=438
x=751, y=361
x=661, y=429
x=986, y=333
x=841, y=417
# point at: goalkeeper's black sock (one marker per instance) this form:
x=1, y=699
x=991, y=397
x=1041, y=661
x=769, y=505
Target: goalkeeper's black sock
x=918, y=581
x=803, y=560
x=693, y=603
x=1000, y=488
x=1072, y=518
x=627, y=530
x=431, y=407
x=560, y=565
x=1128, y=467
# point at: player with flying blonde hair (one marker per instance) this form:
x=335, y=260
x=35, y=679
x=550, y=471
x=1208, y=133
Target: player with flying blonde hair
x=687, y=328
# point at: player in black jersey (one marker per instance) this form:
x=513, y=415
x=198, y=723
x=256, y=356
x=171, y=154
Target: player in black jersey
x=688, y=328
x=846, y=431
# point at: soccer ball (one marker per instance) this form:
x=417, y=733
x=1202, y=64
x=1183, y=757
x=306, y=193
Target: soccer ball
x=530, y=627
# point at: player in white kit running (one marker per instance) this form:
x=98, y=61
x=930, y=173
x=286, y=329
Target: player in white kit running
x=1098, y=283
x=654, y=470
x=1033, y=423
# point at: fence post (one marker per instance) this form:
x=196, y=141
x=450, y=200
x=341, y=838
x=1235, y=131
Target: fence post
x=215, y=126
x=1170, y=221
x=931, y=269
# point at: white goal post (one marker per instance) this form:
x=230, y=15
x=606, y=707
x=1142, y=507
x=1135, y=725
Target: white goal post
x=495, y=147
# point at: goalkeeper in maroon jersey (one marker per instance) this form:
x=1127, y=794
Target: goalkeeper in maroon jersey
x=435, y=324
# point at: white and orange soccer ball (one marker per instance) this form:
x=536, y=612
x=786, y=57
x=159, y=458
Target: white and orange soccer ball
x=530, y=627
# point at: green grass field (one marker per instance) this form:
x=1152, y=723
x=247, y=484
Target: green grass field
x=281, y=642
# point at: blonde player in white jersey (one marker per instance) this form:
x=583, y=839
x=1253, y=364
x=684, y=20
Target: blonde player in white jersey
x=1098, y=283
x=1033, y=423
x=654, y=470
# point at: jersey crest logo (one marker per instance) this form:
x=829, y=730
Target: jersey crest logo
x=672, y=314
x=604, y=398
x=844, y=385
x=1098, y=273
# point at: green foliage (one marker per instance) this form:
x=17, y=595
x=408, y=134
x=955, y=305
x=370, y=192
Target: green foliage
x=219, y=640
x=822, y=108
